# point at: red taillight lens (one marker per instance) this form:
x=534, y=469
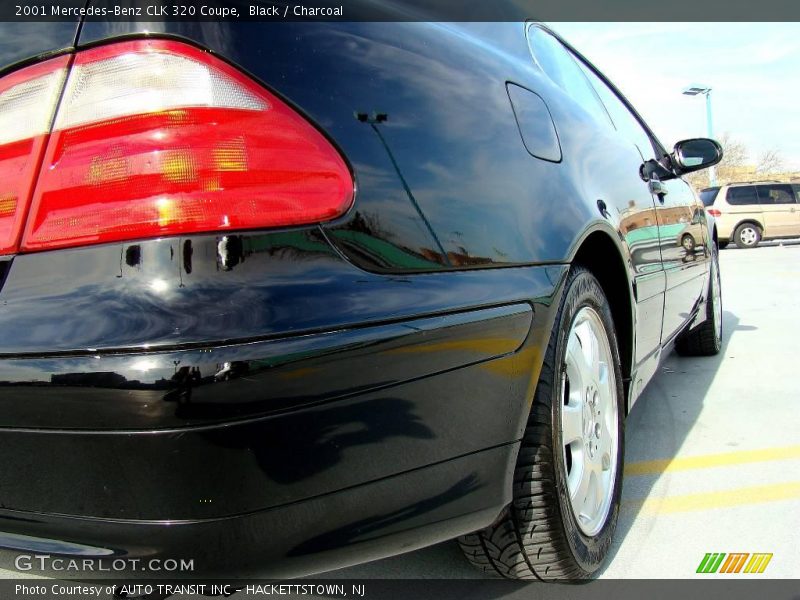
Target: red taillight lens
x=28, y=99
x=714, y=212
x=157, y=138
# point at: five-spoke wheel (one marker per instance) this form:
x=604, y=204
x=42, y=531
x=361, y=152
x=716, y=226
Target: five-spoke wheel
x=589, y=430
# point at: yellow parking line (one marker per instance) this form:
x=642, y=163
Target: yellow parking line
x=713, y=500
x=705, y=461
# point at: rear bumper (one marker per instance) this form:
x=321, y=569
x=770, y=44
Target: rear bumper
x=255, y=426
x=366, y=522
x=339, y=415
x=300, y=455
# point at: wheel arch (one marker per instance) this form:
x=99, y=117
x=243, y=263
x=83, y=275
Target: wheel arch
x=599, y=253
x=752, y=220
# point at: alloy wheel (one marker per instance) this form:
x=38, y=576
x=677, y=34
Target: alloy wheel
x=589, y=424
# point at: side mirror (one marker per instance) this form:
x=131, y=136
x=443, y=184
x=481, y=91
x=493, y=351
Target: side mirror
x=695, y=154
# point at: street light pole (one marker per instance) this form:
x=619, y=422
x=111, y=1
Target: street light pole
x=694, y=90
x=708, y=114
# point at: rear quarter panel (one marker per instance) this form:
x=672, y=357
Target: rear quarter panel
x=450, y=184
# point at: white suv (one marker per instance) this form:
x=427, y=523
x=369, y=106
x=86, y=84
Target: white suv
x=750, y=212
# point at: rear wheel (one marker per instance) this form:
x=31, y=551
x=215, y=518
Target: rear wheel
x=722, y=244
x=706, y=339
x=747, y=235
x=568, y=477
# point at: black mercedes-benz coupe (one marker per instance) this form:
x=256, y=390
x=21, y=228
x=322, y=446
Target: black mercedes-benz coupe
x=279, y=298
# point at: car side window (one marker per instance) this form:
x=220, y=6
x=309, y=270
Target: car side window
x=559, y=65
x=708, y=195
x=624, y=120
x=742, y=195
x=775, y=194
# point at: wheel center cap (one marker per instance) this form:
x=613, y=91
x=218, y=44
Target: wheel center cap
x=591, y=427
x=587, y=416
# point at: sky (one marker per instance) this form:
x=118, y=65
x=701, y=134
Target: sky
x=752, y=68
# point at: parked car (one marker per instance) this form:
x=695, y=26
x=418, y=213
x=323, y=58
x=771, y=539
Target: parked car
x=282, y=298
x=693, y=230
x=753, y=211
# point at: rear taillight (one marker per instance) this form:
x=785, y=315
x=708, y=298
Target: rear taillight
x=155, y=138
x=714, y=212
x=28, y=99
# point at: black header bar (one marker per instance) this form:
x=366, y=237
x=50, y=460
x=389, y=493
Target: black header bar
x=399, y=10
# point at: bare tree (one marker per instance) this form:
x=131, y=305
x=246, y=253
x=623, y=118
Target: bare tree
x=769, y=161
x=699, y=179
x=734, y=159
x=734, y=165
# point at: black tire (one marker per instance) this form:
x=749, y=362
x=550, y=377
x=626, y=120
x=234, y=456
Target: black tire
x=688, y=243
x=706, y=339
x=537, y=535
x=722, y=244
x=747, y=229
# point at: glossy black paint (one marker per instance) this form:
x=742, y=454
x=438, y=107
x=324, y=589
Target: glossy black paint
x=326, y=532
x=227, y=470
x=308, y=398
x=444, y=212
x=198, y=291
x=22, y=42
x=336, y=379
x=167, y=389
x=535, y=123
x=415, y=74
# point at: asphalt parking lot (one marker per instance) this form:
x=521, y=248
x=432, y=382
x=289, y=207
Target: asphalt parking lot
x=713, y=445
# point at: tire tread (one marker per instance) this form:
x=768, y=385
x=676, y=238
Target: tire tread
x=702, y=340
x=528, y=540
